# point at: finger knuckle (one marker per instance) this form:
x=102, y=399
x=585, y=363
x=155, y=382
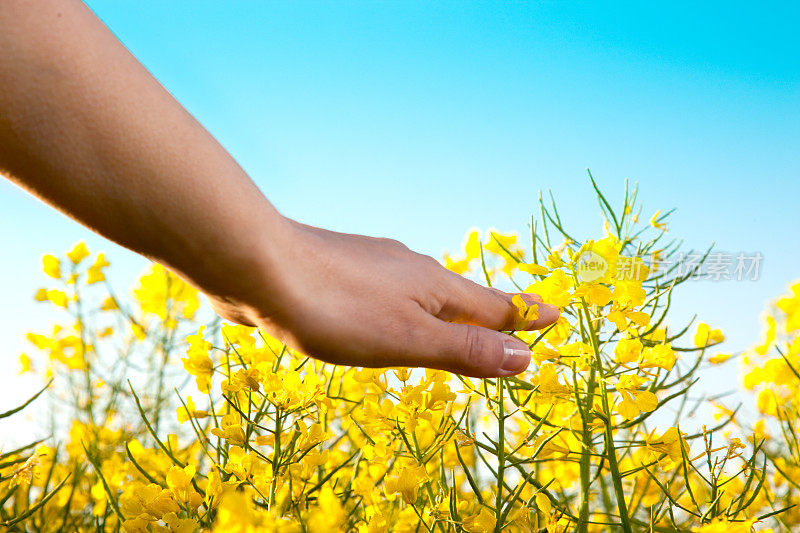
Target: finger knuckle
x=407, y=337
x=393, y=243
x=503, y=311
x=430, y=261
x=474, y=347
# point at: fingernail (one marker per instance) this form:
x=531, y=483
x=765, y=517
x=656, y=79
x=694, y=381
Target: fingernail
x=516, y=356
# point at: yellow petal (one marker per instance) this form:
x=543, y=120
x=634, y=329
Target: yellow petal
x=646, y=401
x=78, y=253
x=534, y=269
x=51, y=266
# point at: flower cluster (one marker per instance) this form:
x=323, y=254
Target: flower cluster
x=170, y=420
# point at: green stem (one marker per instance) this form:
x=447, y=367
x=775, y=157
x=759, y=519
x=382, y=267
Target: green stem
x=611, y=452
x=501, y=456
x=585, y=464
x=586, y=443
x=615, y=475
x=275, y=458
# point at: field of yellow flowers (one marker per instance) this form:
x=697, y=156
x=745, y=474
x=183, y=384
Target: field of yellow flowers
x=167, y=419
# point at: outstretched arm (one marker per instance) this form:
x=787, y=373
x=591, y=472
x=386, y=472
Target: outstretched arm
x=87, y=129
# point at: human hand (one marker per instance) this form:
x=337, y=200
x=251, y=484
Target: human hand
x=140, y=170
x=363, y=301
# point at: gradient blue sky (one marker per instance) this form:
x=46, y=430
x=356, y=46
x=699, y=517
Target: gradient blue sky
x=420, y=120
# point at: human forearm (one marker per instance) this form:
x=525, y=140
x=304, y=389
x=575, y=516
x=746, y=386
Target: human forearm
x=86, y=128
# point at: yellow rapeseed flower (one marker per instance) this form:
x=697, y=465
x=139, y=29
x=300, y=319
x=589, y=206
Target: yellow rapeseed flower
x=78, y=253
x=51, y=266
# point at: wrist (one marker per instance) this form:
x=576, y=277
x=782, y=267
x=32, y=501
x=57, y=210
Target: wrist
x=238, y=264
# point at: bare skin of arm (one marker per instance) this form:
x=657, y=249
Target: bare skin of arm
x=87, y=129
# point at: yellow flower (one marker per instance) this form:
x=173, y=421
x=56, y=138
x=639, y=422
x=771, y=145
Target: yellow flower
x=180, y=525
x=658, y=356
x=24, y=474
x=596, y=261
x=634, y=400
x=506, y=248
x=629, y=294
x=500, y=244
x=439, y=396
x=669, y=444
x=24, y=363
x=249, y=378
x=472, y=245
x=109, y=304
x=482, y=522
x=459, y=266
x=472, y=251
x=627, y=350
x=553, y=289
x=95, y=272
x=241, y=336
x=542, y=353
x=790, y=305
x=656, y=223
x=185, y=413
x=100, y=498
x=547, y=386
x=706, y=336
x=313, y=435
x=631, y=269
x=148, y=499
x=160, y=291
x=768, y=337
x=300, y=445
x=57, y=297
x=230, y=429
x=406, y=482
x=554, y=259
x=620, y=317
x=51, y=266
x=640, y=318
x=594, y=294
x=236, y=514
x=179, y=481
x=760, y=431
x=78, y=253
x=197, y=362
x=213, y=488
x=328, y=515
x=533, y=269
x=719, y=358
x=526, y=313
x=138, y=331
x=547, y=446
x=543, y=503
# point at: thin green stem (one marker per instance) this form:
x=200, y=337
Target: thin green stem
x=501, y=456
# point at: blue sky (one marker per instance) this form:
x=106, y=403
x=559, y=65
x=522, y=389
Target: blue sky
x=421, y=120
